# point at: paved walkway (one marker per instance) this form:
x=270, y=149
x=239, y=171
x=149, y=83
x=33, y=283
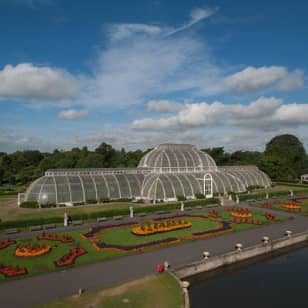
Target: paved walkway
x=41, y=289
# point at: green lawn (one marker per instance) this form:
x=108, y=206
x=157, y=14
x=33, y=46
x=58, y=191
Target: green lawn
x=279, y=188
x=156, y=291
x=119, y=236
x=123, y=236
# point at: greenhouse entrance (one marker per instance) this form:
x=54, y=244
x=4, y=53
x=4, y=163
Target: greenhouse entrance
x=208, y=185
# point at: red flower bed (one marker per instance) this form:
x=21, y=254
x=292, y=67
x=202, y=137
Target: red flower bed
x=246, y=221
x=54, y=237
x=269, y=216
x=69, y=258
x=6, y=243
x=266, y=206
x=214, y=214
x=10, y=271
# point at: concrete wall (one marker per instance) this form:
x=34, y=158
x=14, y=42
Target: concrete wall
x=238, y=256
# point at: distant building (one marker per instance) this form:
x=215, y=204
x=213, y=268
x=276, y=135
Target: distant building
x=164, y=174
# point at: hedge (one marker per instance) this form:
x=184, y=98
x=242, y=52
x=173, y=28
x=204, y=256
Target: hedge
x=29, y=204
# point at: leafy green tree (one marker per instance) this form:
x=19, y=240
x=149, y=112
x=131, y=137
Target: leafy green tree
x=284, y=158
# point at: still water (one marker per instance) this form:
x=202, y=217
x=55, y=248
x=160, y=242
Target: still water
x=274, y=282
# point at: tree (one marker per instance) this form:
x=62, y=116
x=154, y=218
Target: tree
x=219, y=155
x=284, y=158
x=107, y=153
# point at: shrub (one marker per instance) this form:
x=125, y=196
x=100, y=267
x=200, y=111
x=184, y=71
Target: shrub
x=104, y=199
x=48, y=205
x=91, y=201
x=78, y=203
x=181, y=198
x=200, y=196
x=29, y=204
x=122, y=200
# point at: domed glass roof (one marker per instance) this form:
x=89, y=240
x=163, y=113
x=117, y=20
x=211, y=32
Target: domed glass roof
x=178, y=157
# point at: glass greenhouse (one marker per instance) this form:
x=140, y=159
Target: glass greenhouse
x=165, y=173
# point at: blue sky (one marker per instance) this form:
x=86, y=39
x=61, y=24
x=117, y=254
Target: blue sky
x=138, y=73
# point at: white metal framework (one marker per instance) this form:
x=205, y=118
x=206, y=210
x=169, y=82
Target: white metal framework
x=165, y=173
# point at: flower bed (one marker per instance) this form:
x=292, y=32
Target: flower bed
x=270, y=217
x=292, y=207
x=69, y=258
x=6, y=243
x=214, y=214
x=266, y=205
x=241, y=213
x=166, y=226
x=138, y=247
x=54, y=237
x=32, y=250
x=10, y=271
x=239, y=221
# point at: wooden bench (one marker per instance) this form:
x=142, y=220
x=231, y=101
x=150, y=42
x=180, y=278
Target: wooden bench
x=50, y=226
x=199, y=207
x=77, y=222
x=102, y=219
x=11, y=231
x=36, y=228
x=117, y=217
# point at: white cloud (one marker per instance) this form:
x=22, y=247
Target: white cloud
x=253, y=79
x=264, y=113
x=196, y=16
x=124, y=31
x=38, y=82
x=72, y=114
x=164, y=106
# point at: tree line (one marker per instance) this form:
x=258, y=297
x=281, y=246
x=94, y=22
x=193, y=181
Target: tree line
x=284, y=158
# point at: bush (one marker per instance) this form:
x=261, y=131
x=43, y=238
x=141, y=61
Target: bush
x=181, y=198
x=29, y=204
x=78, y=203
x=122, y=200
x=48, y=205
x=200, y=196
x=104, y=199
x=91, y=201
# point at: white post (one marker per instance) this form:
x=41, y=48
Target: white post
x=131, y=212
x=182, y=206
x=65, y=220
x=267, y=196
x=237, y=199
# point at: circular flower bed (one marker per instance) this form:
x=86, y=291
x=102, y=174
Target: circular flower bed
x=32, y=250
x=160, y=227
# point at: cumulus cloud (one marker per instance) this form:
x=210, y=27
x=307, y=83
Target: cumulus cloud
x=253, y=79
x=39, y=82
x=72, y=114
x=264, y=113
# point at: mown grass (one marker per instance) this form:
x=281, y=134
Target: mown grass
x=161, y=291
